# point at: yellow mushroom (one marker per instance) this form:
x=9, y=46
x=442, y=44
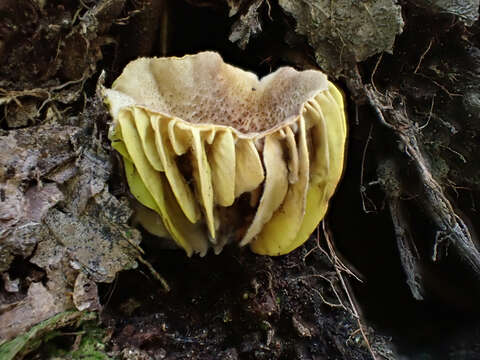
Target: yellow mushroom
x=219, y=156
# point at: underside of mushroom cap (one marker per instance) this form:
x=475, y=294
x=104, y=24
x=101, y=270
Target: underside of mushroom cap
x=221, y=156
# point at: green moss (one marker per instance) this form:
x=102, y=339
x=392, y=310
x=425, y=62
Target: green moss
x=42, y=337
x=90, y=347
x=44, y=331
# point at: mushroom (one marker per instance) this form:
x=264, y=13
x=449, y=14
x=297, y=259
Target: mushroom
x=216, y=155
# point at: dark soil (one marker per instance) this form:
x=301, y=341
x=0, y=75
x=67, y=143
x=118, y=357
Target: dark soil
x=235, y=306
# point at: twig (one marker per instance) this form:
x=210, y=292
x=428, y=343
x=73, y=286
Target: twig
x=317, y=246
x=423, y=56
x=450, y=94
x=429, y=115
x=375, y=70
x=155, y=274
x=338, y=265
x=269, y=11
x=136, y=246
x=436, y=205
x=464, y=160
x=362, y=170
x=339, y=305
x=112, y=290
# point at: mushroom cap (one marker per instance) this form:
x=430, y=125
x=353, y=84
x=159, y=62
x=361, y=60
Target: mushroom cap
x=222, y=156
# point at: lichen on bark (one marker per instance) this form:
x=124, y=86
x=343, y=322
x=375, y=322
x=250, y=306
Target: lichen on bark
x=345, y=32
